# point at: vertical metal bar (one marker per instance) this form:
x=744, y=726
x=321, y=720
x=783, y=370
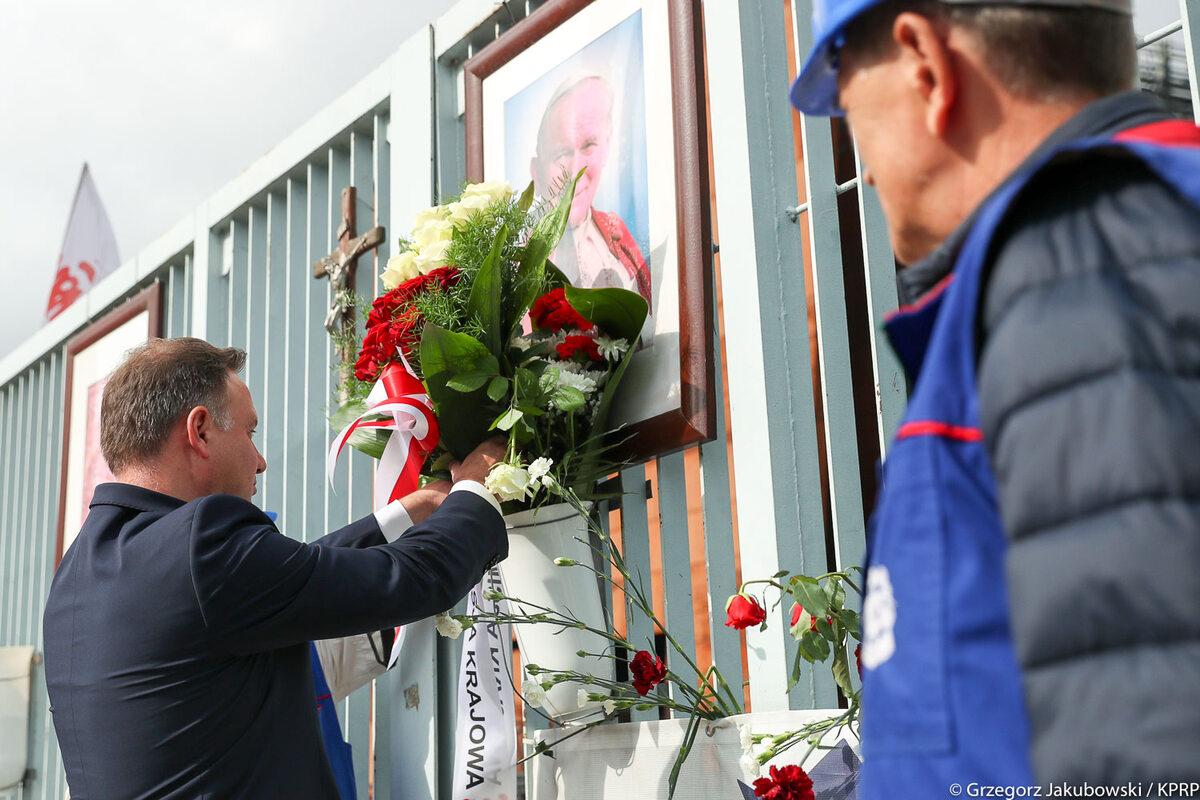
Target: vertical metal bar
x=358, y=714
x=773, y=417
x=891, y=385
x=1190, y=15
x=176, y=300
x=37, y=532
x=381, y=178
x=676, y=561
x=298, y=276
x=273, y=401
x=256, y=324
x=718, y=539
x=24, y=501
x=317, y=395
x=635, y=548
x=416, y=728
x=337, y=500
x=217, y=290
x=841, y=435
x=7, y=481
x=239, y=294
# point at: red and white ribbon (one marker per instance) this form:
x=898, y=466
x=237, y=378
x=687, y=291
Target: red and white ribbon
x=400, y=395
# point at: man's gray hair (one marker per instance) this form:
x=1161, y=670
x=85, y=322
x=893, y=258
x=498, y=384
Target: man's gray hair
x=157, y=384
x=1039, y=51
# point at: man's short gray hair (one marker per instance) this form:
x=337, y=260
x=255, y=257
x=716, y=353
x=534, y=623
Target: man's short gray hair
x=157, y=384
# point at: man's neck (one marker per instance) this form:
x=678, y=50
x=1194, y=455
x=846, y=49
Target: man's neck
x=158, y=478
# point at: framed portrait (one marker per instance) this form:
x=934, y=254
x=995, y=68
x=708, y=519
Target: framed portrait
x=616, y=87
x=92, y=355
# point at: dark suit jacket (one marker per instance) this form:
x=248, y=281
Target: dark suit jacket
x=176, y=636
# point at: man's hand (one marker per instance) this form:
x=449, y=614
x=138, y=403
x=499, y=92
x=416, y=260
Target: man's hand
x=423, y=502
x=479, y=463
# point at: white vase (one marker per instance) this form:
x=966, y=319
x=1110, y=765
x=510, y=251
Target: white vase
x=535, y=539
x=634, y=759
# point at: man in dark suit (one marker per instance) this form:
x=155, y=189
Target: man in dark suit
x=178, y=625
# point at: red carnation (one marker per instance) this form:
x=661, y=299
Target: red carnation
x=648, y=671
x=742, y=612
x=579, y=344
x=552, y=312
x=785, y=783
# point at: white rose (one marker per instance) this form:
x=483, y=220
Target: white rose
x=438, y=230
x=431, y=214
x=539, y=468
x=432, y=256
x=466, y=208
x=494, y=191
x=507, y=481
x=447, y=625
x=400, y=268
x=534, y=694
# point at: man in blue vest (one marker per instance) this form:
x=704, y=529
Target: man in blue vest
x=1032, y=613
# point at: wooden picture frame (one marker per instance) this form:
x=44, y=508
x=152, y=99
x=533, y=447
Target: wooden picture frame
x=92, y=355
x=642, y=60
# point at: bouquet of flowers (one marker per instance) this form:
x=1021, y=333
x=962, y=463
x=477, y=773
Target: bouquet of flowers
x=479, y=333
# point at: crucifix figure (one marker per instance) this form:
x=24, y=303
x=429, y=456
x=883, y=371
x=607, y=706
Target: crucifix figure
x=340, y=267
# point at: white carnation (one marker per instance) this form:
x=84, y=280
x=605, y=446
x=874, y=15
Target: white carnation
x=610, y=706
x=447, y=625
x=749, y=767
x=540, y=468
x=746, y=739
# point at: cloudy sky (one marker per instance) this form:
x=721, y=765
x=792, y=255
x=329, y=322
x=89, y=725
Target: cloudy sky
x=167, y=102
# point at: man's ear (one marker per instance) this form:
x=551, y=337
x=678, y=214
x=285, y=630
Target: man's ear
x=199, y=425
x=930, y=64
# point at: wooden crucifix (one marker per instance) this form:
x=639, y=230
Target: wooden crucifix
x=340, y=267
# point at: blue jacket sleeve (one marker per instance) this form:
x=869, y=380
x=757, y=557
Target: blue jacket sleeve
x=258, y=589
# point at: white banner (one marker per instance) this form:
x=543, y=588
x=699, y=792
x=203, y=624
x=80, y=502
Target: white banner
x=485, y=742
x=89, y=249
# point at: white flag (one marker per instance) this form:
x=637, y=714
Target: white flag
x=89, y=250
x=485, y=742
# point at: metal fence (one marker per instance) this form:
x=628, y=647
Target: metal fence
x=786, y=483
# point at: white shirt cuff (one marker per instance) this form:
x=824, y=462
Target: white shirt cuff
x=393, y=520
x=475, y=487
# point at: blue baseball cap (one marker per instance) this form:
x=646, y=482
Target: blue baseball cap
x=815, y=91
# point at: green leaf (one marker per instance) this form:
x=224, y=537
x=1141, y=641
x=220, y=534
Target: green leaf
x=835, y=592
x=464, y=416
x=529, y=281
x=486, y=295
x=782, y=573
x=370, y=441
x=851, y=621
x=568, y=398
x=824, y=628
x=815, y=646
x=810, y=595
x=841, y=670
x=619, y=313
x=548, y=381
x=526, y=201
x=468, y=381
x=794, y=678
x=498, y=388
x=506, y=420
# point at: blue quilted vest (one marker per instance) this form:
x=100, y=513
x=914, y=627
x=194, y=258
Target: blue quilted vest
x=942, y=697
x=337, y=749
